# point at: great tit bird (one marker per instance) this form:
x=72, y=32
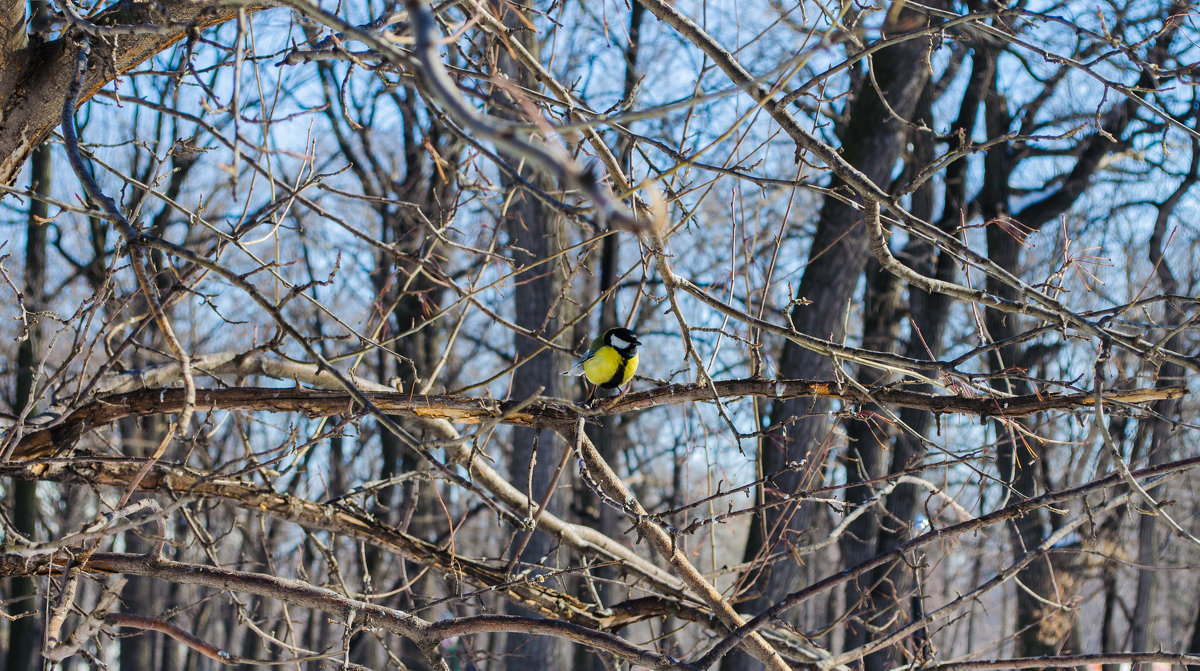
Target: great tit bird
x=611, y=360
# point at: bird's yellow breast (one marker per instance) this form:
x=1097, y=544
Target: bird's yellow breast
x=605, y=368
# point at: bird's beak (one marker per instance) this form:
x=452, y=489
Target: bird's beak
x=637, y=343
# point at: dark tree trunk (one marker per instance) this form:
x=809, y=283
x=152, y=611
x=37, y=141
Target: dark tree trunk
x=1161, y=427
x=535, y=233
x=404, y=297
x=534, y=454
x=1036, y=634
x=25, y=633
x=871, y=140
x=1108, y=642
x=864, y=460
x=928, y=313
x=609, y=438
x=1039, y=630
x=1194, y=643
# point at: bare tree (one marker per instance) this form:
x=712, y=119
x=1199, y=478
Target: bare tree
x=292, y=286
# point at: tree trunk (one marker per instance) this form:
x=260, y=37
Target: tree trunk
x=609, y=438
x=1039, y=628
x=1161, y=426
x=25, y=633
x=928, y=314
x=535, y=233
x=872, y=140
x=1194, y=643
x=865, y=459
x=534, y=454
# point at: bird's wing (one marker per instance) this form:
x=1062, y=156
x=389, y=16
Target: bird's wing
x=577, y=369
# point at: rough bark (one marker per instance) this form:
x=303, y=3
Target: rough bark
x=871, y=140
x=13, y=41
x=1035, y=636
x=886, y=585
x=535, y=452
x=37, y=72
x=535, y=233
x=24, y=633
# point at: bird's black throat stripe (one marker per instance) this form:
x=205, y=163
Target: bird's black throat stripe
x=615, y=380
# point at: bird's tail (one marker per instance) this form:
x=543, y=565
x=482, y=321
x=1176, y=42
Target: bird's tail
x=577, y=369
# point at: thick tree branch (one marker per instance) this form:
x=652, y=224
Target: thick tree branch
x=64, y=432
x=42, y=72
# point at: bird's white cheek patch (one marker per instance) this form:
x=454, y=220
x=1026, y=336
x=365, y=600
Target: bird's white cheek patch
x=620, y=343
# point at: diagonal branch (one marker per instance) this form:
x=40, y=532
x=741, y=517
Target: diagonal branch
x=615, y=492
x=182, y=482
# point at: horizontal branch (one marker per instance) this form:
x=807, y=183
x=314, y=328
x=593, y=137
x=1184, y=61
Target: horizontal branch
x=512, y=499
x=1013, y=406
x=65, y=431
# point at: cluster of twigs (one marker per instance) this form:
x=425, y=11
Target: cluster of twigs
x=135, y=365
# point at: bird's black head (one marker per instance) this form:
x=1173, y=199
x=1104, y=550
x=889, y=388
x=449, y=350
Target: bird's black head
x=622, y=339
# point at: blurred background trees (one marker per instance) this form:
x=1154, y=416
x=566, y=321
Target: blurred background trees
x=289, y=288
